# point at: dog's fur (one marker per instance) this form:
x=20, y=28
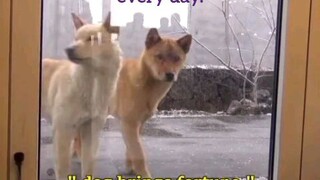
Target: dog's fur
x=142, y=85
x=77, y=92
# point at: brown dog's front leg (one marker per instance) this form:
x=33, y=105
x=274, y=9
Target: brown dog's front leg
x=131, y=135
x=129, y=165
x=76, y=151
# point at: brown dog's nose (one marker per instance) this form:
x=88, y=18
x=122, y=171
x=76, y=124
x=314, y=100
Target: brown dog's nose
x=169, y=77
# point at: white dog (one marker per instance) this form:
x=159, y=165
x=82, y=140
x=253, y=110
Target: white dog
x=76, y=93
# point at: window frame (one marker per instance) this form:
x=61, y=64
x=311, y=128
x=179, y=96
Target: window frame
x=311, y=135
x=291, y=94
x=5, y=16
x=25, y=52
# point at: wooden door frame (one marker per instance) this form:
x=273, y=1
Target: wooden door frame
x=25, y=85
x=25, y=76
x=292, y=92
x=311, y=146
x=5, y=15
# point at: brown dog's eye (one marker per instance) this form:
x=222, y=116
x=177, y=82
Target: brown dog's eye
x=159, y=57
x=176, y=59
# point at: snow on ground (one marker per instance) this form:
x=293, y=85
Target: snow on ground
x=181, y=114
x=205, y=66
x=209, y=66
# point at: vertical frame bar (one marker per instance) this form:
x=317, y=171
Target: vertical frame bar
x=311, y=134
x=25, y=86
x=292, y=91
x=5, y=10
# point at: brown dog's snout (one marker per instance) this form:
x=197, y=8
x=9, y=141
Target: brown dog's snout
x=170, y=76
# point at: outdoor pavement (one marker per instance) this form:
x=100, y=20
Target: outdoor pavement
x=195, y=146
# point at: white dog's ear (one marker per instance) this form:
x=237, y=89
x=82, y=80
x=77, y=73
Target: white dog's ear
x=77, y=21
x=153, y=38
x=109, y=28
x=107, y=21
x=185, y=43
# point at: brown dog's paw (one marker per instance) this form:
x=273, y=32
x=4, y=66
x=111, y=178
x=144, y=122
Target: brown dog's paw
x=127, y=172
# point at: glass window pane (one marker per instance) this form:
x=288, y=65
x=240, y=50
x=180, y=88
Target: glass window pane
x=197, y=110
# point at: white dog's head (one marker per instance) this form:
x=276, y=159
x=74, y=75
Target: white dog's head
x=92, y=42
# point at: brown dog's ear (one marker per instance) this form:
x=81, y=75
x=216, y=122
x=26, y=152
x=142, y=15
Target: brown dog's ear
x=109, y=28
x=153, y=38
x=185, y=42
x=77, y=21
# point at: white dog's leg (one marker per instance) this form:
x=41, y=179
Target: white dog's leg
x=89, y=133
x=61, y=141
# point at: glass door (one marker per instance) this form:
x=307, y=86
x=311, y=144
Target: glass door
x=229, y=114
x=216, y=119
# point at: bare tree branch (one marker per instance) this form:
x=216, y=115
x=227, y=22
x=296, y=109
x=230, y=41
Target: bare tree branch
x=233, y=34
x=247, y=32
x=261, y=76
x=212, y=53
x=253, y=49
x=225, y=4
x=272, y=14
x=266, y=14
x=270, y=22
x=264, y=52
x=261, y=13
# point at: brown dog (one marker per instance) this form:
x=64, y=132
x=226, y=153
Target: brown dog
x=141, y=86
